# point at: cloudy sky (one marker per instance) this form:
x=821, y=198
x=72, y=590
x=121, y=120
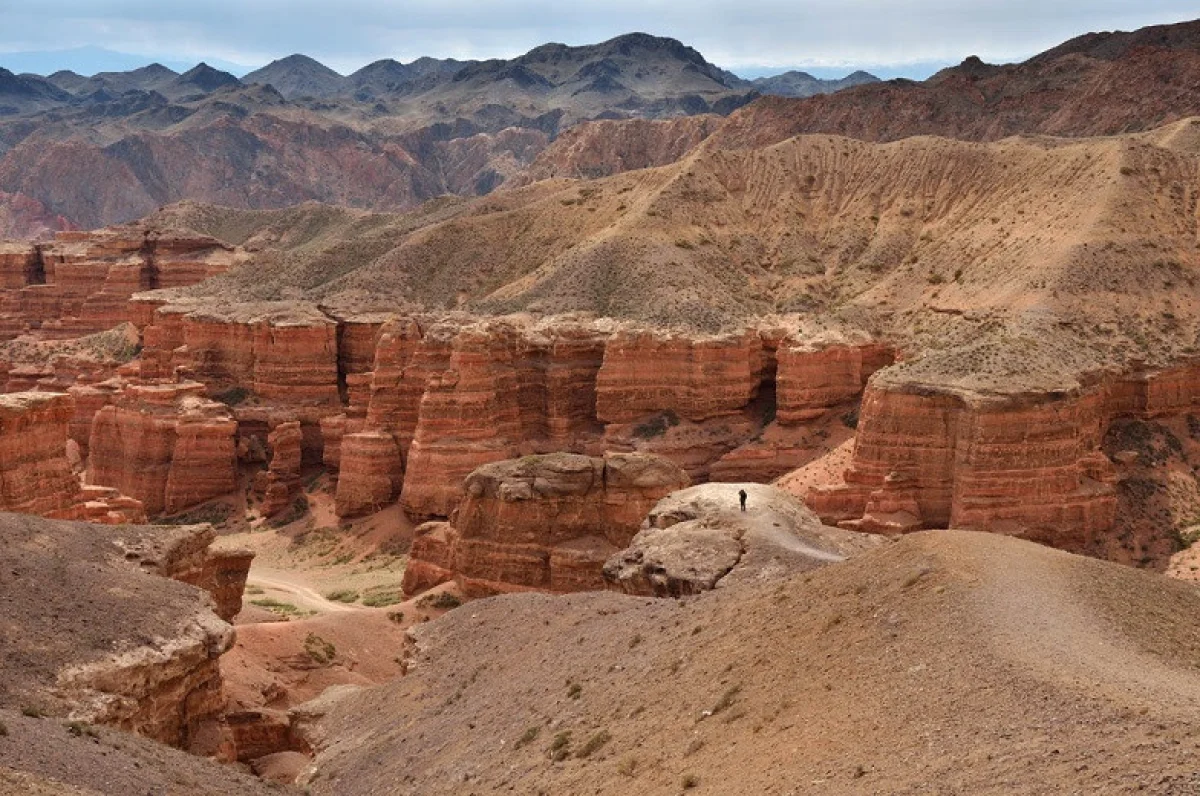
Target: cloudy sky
x=746, y=36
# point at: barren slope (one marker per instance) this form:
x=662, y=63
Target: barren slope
x=944, y=662
x=924, y=237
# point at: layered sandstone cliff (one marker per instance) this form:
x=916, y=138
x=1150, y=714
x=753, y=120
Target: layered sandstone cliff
x=166, y=445
x=1028, y=464
x=82, y=282
x=35, y=476
x=540, y=522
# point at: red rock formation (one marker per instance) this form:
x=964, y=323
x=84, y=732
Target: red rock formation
x=165, y=445
x=282, y=482
x=1027, y=465
x=370, y=454
x=35, y=476
x=813, y=378
x=90, y=399
x=82, y=282
x=470, y=415
x=541, y=522
x=369, y=476
x=645, y=373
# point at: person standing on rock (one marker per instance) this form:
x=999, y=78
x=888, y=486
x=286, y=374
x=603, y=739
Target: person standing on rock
x=742, y=498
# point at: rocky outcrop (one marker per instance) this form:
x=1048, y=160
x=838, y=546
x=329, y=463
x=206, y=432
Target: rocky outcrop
x=814, y=377
x=541, y=522
x=281, y=481
x=35, y=476
x=698, y=539
x=139, y=653
x=1025, y=464
x=82, y=282
x=186, y=555
x=697, y=378
x=166, y=445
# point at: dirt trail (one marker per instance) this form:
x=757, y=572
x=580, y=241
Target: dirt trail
x=294, y=584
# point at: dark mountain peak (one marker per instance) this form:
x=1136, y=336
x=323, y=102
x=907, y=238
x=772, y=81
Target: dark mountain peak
x=859, y=76
x=154, y=70
x=1111, y=46
x=298, y=76
x=206, y=78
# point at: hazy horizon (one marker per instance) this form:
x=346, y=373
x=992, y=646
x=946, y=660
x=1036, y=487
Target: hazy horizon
x=827, y=38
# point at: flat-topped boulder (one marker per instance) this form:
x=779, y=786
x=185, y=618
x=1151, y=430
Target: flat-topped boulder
x=699, y=539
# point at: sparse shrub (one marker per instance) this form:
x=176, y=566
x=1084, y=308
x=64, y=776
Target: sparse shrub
x=396, y=616
x=1127, y=171
x=850, y=419
x=593, y=744
x=79, y=729
x=529, y=736
x=254, y=590
x=297, y=509
x=278, y=607
x=560, y=747
x=958, y=275
x=342, y=596
x=574, y=691
x=233, y=396
x=935, y=278
x=213, y=513
x=32, y=712
x=382, y=597
x=628, y=767
x=3, y=730
x=656, y=426
x=637, y=639
x=320, y=650
x=685, y=244
x=690, y=781
x=442, y=601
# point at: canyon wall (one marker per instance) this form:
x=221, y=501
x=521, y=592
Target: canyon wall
x=81, y=282
x=1028, y=464
x=540, y=522
x=166, y=445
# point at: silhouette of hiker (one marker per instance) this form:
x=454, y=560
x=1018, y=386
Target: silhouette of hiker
x=742, y=498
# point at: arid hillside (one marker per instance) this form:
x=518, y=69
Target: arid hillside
x=980, y=663
x=1098, y=84
x=925, y=237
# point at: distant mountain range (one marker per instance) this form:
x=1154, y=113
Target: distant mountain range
x=116, y=145
x=90, y=151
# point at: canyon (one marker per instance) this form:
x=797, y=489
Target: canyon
x=676, y=379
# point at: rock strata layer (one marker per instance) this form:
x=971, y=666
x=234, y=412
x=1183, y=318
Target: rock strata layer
x=541, y=522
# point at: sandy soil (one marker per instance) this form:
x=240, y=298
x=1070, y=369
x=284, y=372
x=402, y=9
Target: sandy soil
x=945, y=662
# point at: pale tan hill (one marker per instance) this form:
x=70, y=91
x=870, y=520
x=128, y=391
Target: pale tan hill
x=1091, y=242
x=944, y=662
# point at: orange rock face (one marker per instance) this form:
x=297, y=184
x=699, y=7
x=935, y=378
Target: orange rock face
x=541, y=522
x=82, y=282
x=35, y=476
x=283, y=473
x=470, y=415
x=697, y=378
x=813, y=379
x=1025, y=466
x=166, y=445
